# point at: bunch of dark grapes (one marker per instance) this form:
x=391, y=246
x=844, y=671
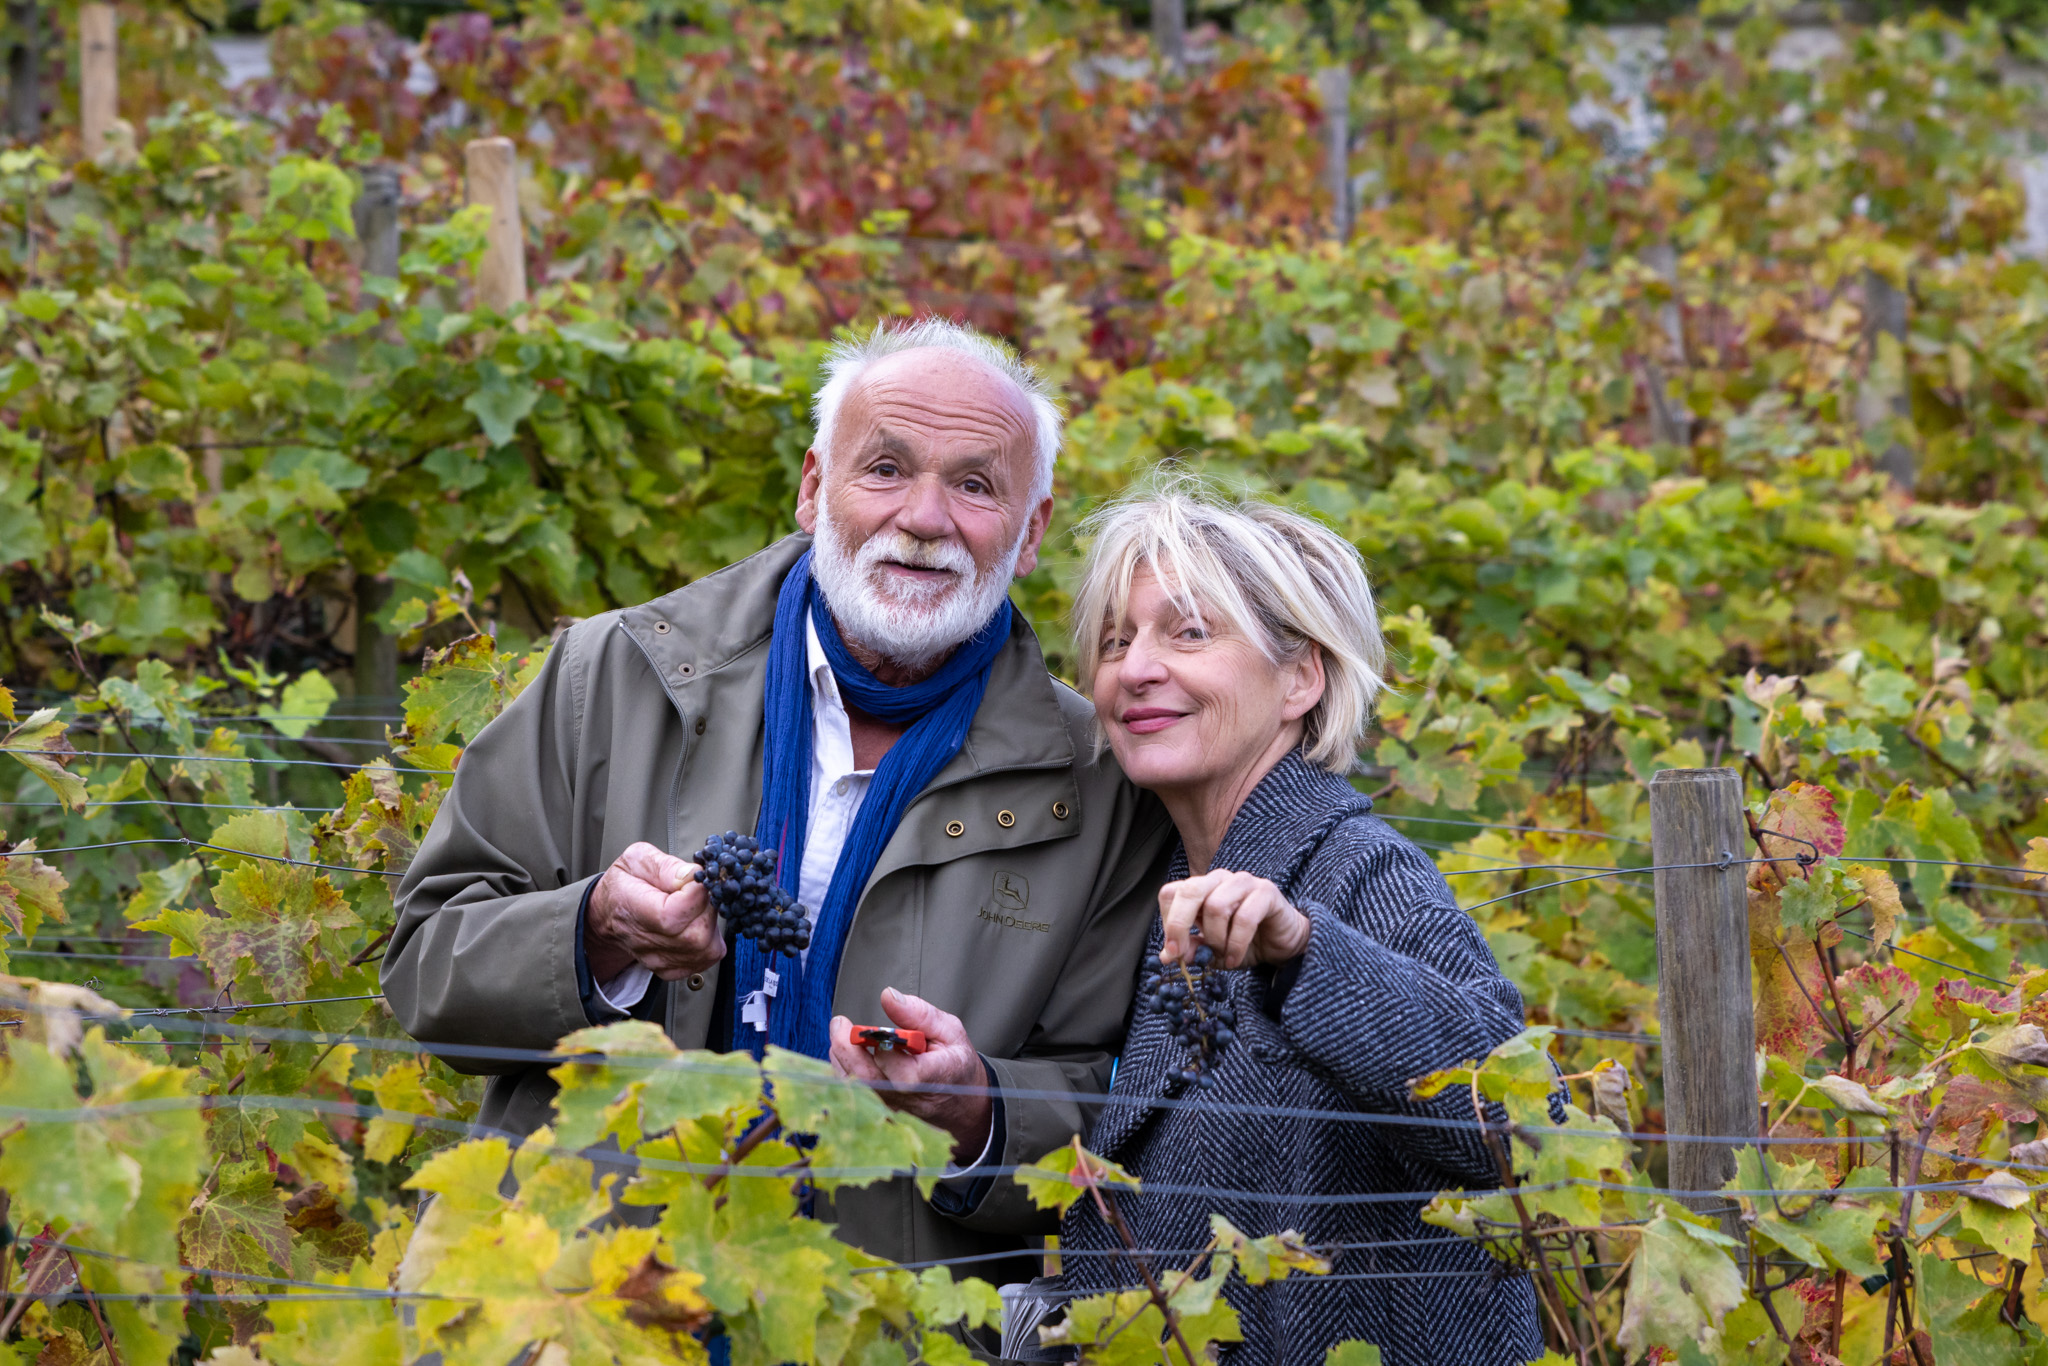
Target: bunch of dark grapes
x=1195, y=999
x=740, y=877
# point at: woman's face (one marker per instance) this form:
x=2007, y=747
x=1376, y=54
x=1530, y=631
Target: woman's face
x=1187, y=705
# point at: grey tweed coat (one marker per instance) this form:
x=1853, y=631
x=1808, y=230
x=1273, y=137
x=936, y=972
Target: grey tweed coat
x=1396, y=982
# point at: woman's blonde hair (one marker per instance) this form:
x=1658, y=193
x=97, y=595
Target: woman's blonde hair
x=1283, y=581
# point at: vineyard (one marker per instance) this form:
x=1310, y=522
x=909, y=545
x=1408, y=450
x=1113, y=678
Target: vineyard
x=1723, y=454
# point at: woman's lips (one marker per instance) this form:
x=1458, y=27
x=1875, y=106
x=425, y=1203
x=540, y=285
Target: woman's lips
x=1149, y=720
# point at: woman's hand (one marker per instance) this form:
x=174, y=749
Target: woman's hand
x=1243, y=919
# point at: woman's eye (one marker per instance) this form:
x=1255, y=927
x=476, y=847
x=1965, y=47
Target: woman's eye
x=1193, y=633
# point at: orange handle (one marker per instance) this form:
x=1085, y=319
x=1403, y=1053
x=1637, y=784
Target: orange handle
x=883, y=1038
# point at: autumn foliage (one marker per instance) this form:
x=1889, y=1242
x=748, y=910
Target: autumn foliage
x=1721, y=450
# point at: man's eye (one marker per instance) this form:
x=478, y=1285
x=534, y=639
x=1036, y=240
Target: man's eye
x=887, y=469
x=975, y=486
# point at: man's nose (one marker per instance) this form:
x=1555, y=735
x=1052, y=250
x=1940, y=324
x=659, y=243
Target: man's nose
x=926, y=513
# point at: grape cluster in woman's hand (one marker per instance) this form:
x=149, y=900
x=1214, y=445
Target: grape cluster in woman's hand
x=739, y=876
x=1195, y=999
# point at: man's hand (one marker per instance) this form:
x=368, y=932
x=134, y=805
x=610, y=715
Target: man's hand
x=948, y=1060
x=649, y=909
x=1243, y=918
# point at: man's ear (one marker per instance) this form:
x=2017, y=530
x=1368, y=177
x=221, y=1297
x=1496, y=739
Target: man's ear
x=1034, y=536
x=807, y=491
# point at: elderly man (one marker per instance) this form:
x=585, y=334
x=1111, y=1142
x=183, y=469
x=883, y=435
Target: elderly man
x=864, y=701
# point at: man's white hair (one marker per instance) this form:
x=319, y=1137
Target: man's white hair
x=847, y=360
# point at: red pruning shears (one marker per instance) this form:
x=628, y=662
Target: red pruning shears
x=885, y=1040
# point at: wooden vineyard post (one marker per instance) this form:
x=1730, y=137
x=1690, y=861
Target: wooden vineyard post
x=1170, y=33
x=25, y=71
x=1885, y=308
x=99, y=78
x=1333, y=84
x=1703, y=988
x=494, y=180
x=1670, y=419
x=377, y=220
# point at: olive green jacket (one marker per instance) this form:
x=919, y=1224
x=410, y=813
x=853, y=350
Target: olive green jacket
x=1016, y=893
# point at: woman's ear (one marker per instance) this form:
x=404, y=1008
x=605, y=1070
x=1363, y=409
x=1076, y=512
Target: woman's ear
x=1305, y=688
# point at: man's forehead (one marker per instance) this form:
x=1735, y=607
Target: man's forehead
x=942, y=380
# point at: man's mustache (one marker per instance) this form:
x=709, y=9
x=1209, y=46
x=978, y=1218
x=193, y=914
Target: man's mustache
x=887, y=547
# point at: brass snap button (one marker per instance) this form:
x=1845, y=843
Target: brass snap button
x=1060, y=811
x=1006, y=819
x=696, y=981
x=700, y=725
x=686, y=669
x=661, y=628
x=955, y=829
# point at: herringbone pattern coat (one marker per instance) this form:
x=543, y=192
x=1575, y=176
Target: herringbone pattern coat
x=1396, y=982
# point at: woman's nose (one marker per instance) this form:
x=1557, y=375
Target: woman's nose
x=1142, y=666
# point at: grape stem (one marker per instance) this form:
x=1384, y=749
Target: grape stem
x=1194, y=998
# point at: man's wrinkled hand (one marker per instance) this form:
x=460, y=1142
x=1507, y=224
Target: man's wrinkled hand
x=648, y=908
x=949, y=1060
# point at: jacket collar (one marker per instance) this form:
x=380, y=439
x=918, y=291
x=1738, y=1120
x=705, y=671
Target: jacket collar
x=721, y=623
x=1286, y=816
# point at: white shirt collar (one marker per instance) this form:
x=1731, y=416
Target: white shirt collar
x=824, y=684
x=831, y=729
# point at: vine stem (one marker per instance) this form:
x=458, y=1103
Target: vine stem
x=1113, y=1216
x=1552, y=1297
x=1899, y=1259
x=371, y=948
x=1763, y=1294
x=767, y=1125
x=1586, y=1293
x=92, y=1302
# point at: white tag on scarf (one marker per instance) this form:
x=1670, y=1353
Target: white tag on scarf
x=754, y=1010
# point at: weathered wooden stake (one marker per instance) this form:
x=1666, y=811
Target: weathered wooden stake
x=1703, y=995
x=1333, y=84
x=494, y=180
x=1670, y=419
x=376, y=652
x=377, y=220
x=25, y=71
x=1884, y=315
x=99, y=78
x=1170, y=32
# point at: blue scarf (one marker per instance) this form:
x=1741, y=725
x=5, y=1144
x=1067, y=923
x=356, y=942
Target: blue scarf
x=939, y=711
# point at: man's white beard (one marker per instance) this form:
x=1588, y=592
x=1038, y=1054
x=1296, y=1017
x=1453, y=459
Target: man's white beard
x=910, y=624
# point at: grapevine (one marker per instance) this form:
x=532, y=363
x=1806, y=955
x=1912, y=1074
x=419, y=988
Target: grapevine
x=1624, y=448
x=740, y=877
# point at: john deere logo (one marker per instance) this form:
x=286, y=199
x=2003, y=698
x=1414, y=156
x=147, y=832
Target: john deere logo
x=1008, y=895
x=1010, y=892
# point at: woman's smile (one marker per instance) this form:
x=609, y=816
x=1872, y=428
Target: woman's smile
x=1149, y=720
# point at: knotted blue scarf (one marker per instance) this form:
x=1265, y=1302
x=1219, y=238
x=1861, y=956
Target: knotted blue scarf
x=939, y=711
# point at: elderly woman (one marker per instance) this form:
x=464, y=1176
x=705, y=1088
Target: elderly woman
x=1234, y=654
